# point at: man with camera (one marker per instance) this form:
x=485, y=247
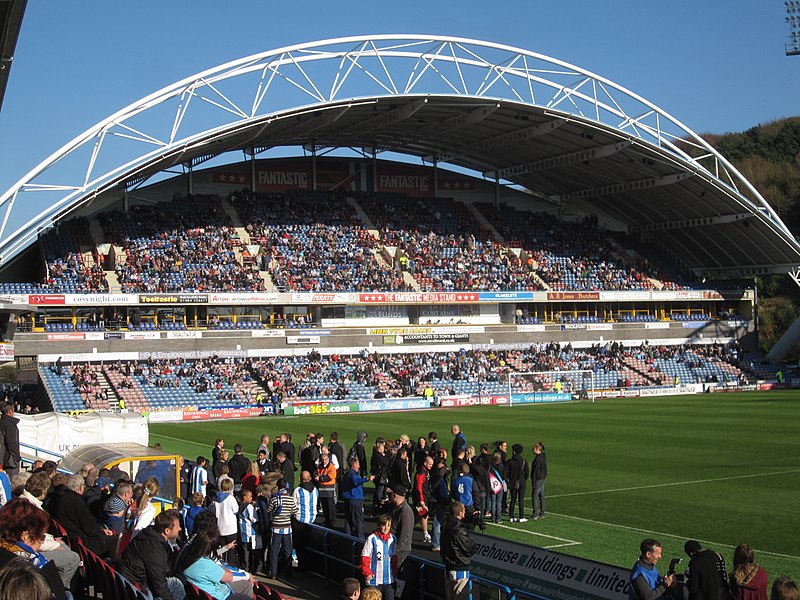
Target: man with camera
x=647, y=583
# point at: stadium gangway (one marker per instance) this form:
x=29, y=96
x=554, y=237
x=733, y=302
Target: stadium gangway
x=339, y=555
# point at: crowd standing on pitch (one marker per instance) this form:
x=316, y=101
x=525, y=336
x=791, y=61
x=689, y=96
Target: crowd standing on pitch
x=237, y=517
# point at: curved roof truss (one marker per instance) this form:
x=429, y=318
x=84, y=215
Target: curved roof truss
x=445, y=99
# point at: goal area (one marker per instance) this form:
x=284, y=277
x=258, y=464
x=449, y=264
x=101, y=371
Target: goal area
x=534, y=387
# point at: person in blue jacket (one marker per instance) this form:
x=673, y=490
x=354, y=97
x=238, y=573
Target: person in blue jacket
x=353, y=495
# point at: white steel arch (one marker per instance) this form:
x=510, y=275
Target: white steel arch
x=257, y=87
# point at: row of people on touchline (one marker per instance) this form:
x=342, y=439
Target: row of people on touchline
x=706, y=577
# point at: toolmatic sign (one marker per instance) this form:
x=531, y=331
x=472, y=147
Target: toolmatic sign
x=545, y=573
x=173, y=298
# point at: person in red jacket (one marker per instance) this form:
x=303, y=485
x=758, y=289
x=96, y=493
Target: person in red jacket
x=748, y=580
x=421, y=495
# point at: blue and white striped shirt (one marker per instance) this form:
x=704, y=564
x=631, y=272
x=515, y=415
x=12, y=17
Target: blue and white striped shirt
x=306, y=501
x=247, y=526
x=199, y=480
x=380, y=553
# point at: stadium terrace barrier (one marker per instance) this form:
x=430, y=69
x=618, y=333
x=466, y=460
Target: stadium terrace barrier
x=337, y=555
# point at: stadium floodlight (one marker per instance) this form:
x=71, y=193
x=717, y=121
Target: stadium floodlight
x=793, y=41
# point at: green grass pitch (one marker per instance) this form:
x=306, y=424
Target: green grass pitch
x=723, y=468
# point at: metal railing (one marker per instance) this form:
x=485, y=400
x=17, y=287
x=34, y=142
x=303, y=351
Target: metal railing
x=337, y=555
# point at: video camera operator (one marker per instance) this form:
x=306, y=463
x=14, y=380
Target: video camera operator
x=647, y=583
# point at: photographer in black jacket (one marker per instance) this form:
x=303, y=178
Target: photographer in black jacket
x=457, y=548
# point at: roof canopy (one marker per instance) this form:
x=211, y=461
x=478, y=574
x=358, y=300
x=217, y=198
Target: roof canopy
x=559, y=131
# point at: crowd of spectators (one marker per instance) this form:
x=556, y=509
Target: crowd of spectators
x=317, y=241
x=365, y=375
x=67, y=270
x=187, y=245
x=568, y=254
x=314, y=242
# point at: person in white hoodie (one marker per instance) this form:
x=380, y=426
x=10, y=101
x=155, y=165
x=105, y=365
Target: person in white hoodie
x=226, y=508
x=66, y=561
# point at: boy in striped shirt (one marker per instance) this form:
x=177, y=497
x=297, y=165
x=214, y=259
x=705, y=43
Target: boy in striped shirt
x=281, y=510
x=200, y=477
x=248, y=532
x=379, y=558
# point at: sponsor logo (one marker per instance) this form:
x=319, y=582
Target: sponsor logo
x=405, y=182
x=295, y=178
x=322, y=409
x=173, y=298
x=60, y=337
x=429, y=297
x=183, y=335
x=142, y=335
x=101, y=298
x=323, y=297
x=46, y=299
x=568, y=296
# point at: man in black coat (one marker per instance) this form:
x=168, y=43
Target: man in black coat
x=337, y=450
x=309, y=456
x=456, y=552
x=287, y=470
x=9, y=440
x=148, y=559
x=706, y=572
x=67, y=506
x=239, y=466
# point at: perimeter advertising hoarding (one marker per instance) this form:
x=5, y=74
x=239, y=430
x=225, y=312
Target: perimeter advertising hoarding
x=320, y=408
x=427, y=338
x=546, y=573
x=6, y=352
x=537, y=397
x=465, y=400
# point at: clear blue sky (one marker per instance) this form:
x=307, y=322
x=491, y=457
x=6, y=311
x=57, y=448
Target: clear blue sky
x=718, y=67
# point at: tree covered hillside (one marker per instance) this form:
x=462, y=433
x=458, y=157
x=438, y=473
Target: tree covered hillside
x=769, y=157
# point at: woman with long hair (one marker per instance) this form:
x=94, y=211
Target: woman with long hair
x=145, y=512
x=201, y=568
x=748, y=580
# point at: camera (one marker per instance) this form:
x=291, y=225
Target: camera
x=673, y=566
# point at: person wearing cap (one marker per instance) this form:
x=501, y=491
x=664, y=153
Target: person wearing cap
x=707, y=574
x=403, y=523
x=117, y=505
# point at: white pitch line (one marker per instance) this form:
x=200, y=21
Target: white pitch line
x=672, y=535
x=562, y=545
x=183, y=440
x=552, y=537
x=674, y=483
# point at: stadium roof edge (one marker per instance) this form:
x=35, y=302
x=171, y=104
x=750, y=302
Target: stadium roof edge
x=548, y=126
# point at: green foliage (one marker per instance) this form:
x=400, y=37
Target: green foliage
x=769, y=157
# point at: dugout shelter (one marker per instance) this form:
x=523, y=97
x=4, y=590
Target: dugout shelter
x=137, y=461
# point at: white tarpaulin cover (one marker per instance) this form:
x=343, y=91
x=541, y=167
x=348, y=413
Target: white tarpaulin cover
x=62, y=433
